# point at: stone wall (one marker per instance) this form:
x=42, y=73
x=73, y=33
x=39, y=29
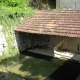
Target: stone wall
x=30, y=41
x=55, y=40
x=72, y=44
x=23, y=40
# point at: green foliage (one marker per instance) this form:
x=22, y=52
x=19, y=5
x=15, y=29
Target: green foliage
x=14, y=3
x=10, y=17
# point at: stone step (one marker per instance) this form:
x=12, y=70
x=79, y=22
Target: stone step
x=57, y=54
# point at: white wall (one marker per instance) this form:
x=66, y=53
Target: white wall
x=68, y=4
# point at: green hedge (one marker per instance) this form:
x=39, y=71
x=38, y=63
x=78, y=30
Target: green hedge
x=14, y=3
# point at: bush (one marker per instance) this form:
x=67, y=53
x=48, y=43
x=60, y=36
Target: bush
x=15, y=3
x=10, y=17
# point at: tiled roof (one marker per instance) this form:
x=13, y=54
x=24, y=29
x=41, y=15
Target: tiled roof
x=50, y=22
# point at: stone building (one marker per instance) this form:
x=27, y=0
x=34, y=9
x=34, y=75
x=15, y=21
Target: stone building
x=50, y=30
x=47, y=31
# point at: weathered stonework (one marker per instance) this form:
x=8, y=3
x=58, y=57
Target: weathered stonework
x=26, y=41
x=30, y=41
x=71, y=44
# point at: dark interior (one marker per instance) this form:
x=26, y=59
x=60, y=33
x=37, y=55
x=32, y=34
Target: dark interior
x=39, y=3
x=70, y=70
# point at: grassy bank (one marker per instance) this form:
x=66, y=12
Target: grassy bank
x=10, y=17
x=29, y=67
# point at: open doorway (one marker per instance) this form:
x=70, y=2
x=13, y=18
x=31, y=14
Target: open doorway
x=43, y=4
x=52, y=4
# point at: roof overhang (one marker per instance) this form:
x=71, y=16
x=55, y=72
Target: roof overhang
x=50, y=22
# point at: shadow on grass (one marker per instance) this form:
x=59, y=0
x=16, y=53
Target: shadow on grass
x=70, y=70
x=2, y=76
x=31, y=66
x=38, y=67
x=37, y=55
x=10, y=61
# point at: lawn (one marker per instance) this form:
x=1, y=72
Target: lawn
x=31, y=68
x=12, y=14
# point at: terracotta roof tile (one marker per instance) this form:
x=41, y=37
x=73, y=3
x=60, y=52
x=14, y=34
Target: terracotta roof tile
x=61, y=23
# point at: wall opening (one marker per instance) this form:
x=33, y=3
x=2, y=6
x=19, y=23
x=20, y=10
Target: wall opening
x=52, y=4
x=40, y=45
x=37, y=43
x=43, y=4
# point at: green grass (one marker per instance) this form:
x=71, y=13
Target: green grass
x=10, y=18
x=31, y=68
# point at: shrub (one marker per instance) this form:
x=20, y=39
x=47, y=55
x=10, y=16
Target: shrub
x=10, y=17
x=15, y=3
